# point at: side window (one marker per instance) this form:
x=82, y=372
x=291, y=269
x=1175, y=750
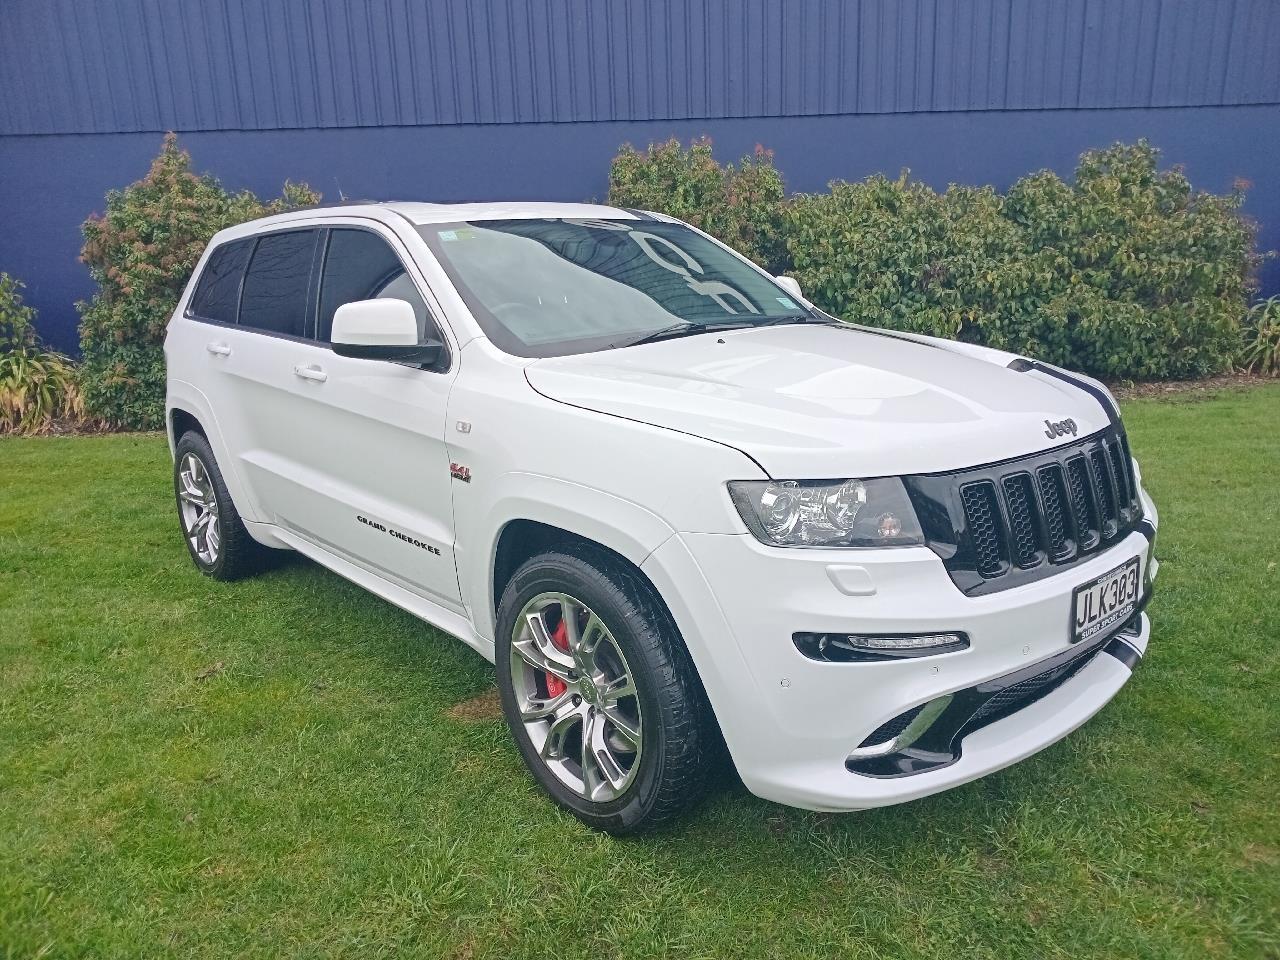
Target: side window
x=360, y=265
x=277, y=284
x=218, y=291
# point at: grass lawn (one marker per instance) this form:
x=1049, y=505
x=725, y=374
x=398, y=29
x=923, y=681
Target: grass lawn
x=281, y=766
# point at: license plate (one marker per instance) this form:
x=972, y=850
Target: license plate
x=1106, y=602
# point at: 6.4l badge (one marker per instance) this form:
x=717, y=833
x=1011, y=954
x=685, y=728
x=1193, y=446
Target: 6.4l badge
x=459, y=472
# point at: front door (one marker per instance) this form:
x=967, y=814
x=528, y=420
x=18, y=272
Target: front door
x=374, y=443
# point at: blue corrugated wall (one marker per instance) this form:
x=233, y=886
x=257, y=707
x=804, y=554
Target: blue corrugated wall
x=469, y=99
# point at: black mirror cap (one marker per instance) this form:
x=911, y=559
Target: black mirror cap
x=426, y=353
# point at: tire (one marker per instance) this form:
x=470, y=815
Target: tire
x=634, y=637
x=232, y=553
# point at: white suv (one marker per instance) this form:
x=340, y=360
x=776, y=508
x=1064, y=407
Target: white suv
x=678, y=506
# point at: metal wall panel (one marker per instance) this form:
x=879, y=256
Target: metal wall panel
x=147, y=65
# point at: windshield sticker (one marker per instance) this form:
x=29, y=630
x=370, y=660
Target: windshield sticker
x=786, y=302
x=717, y=290
x=448, y=235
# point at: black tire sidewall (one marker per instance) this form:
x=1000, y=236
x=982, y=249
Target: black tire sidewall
x=585, y=582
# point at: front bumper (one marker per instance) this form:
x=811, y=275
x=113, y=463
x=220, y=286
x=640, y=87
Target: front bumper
x=792, y=723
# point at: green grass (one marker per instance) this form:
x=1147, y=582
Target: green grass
x=271, y=767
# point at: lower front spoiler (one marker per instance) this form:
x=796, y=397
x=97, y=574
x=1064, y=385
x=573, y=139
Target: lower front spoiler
x=931, y=735
x=987, y=749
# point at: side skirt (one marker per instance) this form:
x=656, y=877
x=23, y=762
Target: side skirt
x=422, y=608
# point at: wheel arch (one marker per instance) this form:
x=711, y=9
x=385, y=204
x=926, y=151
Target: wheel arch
x=521, y=539
x=530, y=511
x=183, y=421
x=187, y=408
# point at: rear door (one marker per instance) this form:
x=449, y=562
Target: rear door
x=355, y=449
x=265, y=279
x=257, y=401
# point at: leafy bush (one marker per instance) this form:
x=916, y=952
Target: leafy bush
x=1124, y=272
x=741, y=206
x=141, y=253
x=17, y=320
x=895, y=253
x=1127, y=272
x=1261, y=353
x=37, y=386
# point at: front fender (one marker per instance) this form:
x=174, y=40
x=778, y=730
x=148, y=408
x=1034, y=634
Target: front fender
x=623, y=526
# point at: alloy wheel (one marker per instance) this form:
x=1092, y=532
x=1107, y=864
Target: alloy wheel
x=198, y=505
x=576, y=696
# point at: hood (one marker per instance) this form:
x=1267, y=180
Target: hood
x=823, y=401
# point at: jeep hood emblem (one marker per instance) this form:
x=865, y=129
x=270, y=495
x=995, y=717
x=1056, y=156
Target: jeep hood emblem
x=1058, y=428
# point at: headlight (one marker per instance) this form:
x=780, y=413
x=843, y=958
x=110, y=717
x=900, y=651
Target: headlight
x=828, y=513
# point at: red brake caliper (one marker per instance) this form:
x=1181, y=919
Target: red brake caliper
x=559, y=637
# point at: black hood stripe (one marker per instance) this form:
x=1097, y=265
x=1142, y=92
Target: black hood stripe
x=1023, y=365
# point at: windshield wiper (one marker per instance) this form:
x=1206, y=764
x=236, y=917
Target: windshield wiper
x=691, y=328
x=796, y=318
x=685, y=329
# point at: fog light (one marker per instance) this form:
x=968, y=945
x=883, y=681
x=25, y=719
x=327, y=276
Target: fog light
x=854, y=647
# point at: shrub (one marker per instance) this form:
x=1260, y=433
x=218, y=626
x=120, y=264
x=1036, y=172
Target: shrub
x=1261, y=352
x=37, y=386
x=17, y=320
x=1127, y=272
x=141, y=253
x=895, y=253
x=741, y=206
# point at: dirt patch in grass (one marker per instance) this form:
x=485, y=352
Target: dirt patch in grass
x=487, y=706
x=1187, y=389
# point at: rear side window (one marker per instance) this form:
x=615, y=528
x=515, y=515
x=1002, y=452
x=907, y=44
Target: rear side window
x=277, y=283
x=360, y=265
x=218, y=291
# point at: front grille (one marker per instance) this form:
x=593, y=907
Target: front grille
x=1104, y=492
x=983, y=511
x=1013, y=698
x=1001, y=525
x=1056, y=505
x=1088, y=530
x=1023, y=537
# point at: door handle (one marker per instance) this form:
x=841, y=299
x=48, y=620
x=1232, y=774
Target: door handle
x=218, y=349
x=311, y=373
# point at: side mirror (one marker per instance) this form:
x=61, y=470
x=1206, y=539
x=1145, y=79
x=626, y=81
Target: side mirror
x=791, y=285
x=380, y=330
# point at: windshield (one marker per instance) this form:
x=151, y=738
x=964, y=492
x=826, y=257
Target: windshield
x=543, y=288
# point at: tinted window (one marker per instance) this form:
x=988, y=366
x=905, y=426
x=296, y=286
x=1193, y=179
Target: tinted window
x=219, y=288
x=275, y=288
x=362, y=266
